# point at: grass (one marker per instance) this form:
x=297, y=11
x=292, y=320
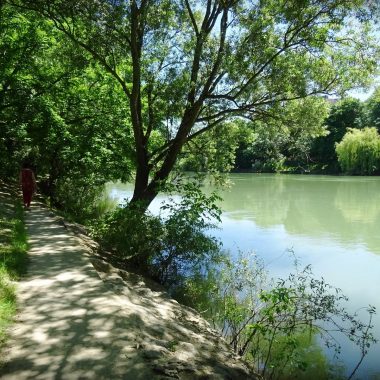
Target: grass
x=13, y=256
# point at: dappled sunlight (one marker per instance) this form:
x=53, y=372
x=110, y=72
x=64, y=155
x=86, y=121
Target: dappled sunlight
x=74, y=325
x=5, y=196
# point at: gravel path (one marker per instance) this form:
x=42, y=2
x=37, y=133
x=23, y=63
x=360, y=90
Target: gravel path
x=75, y=322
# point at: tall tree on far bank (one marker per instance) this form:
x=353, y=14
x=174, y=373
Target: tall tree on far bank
x=373, y=110
x=188, y=66
x=345, y=114
x=285, y=141
x=359, y=151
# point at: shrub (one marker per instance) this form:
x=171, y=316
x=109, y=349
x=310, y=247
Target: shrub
x=274, y=324
x=77, y=197
x=132, y=237
x=13, y=257
x=164, y=246
x=186, y=244
x=359, y=151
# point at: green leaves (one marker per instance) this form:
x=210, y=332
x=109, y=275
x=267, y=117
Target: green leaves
x=286, y=138
x=187, y=67
x=275, y=324
x=359, y=151
x=171, y=246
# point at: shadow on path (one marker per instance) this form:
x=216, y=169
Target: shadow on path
x=72, y=324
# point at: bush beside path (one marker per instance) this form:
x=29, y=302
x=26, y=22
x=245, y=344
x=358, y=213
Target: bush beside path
x=13, y=258
x=78, y=322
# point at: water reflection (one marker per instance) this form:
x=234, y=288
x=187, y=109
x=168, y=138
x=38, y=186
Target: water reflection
x=346, y=209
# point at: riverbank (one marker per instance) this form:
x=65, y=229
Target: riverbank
x=81, y=318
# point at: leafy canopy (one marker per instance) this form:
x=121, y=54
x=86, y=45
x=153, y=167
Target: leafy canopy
x=188, y=66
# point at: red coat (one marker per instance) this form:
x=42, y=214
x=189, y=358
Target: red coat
x=27, y=180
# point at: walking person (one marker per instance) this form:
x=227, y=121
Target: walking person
x=27, y=183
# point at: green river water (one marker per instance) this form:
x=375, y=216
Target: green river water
x=332, y=223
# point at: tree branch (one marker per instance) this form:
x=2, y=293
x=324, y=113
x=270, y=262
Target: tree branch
x=93, y=52
x=191, y=14
x=218, y=60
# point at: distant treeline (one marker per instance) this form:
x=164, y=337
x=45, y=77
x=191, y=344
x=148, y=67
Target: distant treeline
x=350, y=144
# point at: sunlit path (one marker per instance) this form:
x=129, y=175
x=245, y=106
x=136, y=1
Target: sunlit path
x=72, y=325
x=69, y=324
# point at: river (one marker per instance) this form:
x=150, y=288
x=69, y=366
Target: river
x=332, y=223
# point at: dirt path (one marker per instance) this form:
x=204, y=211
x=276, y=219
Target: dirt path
x=75, y=323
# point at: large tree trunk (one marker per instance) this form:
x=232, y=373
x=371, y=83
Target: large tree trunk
x=142, y=195
x=145, y=191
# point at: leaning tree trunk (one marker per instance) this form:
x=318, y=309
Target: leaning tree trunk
x=145, y=191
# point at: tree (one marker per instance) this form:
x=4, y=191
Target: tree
x=359, y=151
x=81, y=139
x=60, y=111
x=286, y=139
x=373, y=110
x=21, y=42
x=214, y=152
x=188, y=66
x=347, y=113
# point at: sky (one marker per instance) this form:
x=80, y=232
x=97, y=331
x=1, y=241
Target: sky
x=362, y=95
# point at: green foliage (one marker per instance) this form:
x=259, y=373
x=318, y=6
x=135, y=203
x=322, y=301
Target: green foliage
x=7, y=303
x=359, y=151
x=81, y=140
x=264, y=153
x=373, y=109
x=214, y=152
x=21, y=44
x=78, y=198
x=286, y=138
x=59, y=111
x=165, y=246
x=345, y=114
x=308, y=361
x=134, y=237
x=186, y=243
x=13, y=248
x=13, y=257
x=184, y=69
x=274, y=324
x=90, y=96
